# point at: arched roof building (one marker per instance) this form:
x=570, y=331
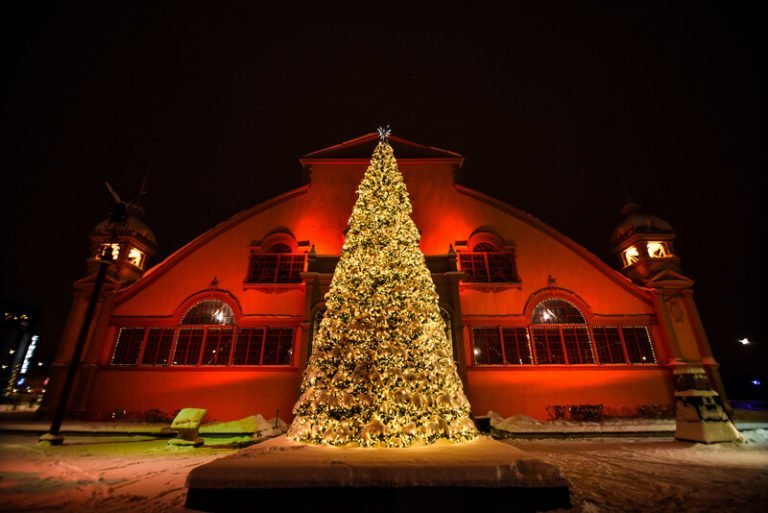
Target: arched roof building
x=226, y=322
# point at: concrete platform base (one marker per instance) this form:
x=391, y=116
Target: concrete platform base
x=441, y=477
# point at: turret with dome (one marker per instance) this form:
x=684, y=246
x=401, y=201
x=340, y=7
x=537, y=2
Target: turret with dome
x=129, y=239
x=645, y=244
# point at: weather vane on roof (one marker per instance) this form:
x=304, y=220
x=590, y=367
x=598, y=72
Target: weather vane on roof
x=384, y=132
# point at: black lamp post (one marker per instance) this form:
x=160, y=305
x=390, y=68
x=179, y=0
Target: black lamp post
x=53, y=436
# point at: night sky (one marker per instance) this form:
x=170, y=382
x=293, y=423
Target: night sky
x=551, y=107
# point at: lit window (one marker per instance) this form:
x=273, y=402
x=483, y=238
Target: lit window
x=114, y=248
x=631, y=256
x=136, y=257
x=657, y=250
x=212, y=311
x=556, y=311
x=485, y=264
x=279, y=265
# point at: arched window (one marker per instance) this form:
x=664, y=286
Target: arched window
x=211, y=311
x=556, y=311
x=560, y=334
x=206, y=334
x=488, y=263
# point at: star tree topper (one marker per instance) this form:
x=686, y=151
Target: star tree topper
x=384, y=132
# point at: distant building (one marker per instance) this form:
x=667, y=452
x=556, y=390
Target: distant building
x=18, y=344
x=226, y=322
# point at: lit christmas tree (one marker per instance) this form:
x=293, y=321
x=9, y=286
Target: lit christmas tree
x=382, y=371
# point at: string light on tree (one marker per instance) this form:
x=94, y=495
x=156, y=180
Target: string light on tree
x=382, y=370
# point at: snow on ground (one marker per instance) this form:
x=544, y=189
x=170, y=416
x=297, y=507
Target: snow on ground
x=105, y=474
x=114, y=474
x=633, y=475
x=524, y=424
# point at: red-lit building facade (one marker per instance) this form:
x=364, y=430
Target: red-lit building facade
x=226, y=322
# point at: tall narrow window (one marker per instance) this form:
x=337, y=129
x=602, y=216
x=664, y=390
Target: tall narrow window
x=189, y=343
x=517, y=347
x=218, y=346
x=158, y=346
x=486, y=346
x=486, y=264
x=250, y=342
x=278, y=265
x=278, y=347
x=560, y=334
x=128, y=346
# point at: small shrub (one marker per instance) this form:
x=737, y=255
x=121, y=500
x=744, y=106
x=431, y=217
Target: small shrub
x=156, y=415
x=656, y=411
x=587, y=412
x=578, y=412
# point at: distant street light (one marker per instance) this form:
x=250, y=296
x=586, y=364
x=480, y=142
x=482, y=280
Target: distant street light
x=756, y=382
x=744, y=341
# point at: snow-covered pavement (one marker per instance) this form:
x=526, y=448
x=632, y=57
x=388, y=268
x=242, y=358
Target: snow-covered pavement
x=104, y=474
x=631, y=475
x=134, y=473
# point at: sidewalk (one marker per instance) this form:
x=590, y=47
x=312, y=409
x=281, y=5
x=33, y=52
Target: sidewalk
x=515, y=427
x=25, y=423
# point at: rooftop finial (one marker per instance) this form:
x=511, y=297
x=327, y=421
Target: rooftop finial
x=384, y=132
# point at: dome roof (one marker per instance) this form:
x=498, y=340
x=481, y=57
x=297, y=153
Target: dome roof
x=637, y=221
x=130, y=226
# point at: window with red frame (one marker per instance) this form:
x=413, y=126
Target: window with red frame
x=560, y=334
x=501, y=346
x=264, y=346
x=158, y=346
x=128, y=346
x=638, y=343
x=622, y=345
x=278, y=265
x=608, y=344
x=485, y=264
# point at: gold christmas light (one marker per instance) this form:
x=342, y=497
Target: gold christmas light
x=382, y=371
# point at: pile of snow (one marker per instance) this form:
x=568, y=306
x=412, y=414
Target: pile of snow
x=254, y=425
x=522, y=424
